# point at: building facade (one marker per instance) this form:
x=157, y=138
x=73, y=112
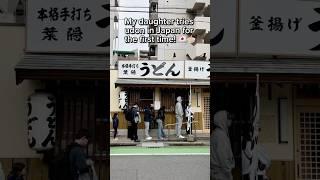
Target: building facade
x=289, y=74
x=77, y=83
x=188, y=56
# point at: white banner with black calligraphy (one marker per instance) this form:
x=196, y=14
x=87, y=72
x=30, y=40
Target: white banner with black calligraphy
x=283, y=27
x=68, y=26
x=151, y=69
x=197, y=70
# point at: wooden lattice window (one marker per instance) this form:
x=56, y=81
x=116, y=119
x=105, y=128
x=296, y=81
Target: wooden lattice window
x=309, y=145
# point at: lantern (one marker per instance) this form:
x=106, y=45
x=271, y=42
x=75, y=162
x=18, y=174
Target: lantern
x=41, y=121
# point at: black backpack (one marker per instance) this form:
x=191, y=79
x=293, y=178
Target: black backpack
x=128, y=114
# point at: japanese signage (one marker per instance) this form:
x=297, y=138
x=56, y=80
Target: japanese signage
x=164, y=69
x=151, y=69
x=197, y=70
x=266, y=27
x=280, y=27
x=123, y=100
x=67, y=26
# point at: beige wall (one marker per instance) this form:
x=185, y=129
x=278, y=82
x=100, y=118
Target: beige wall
x=269, y=123
x=13, y=122
x=114, y=92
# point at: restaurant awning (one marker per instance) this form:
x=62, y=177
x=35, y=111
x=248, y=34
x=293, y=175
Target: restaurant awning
x=295, y=70
x=161, y=82
x=271, y=66
x=62, y=67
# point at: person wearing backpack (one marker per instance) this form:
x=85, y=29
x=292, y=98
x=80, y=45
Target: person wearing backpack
x=128, y=115
x=135, y=120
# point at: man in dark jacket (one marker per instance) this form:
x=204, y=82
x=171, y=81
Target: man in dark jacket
x=79, y=163
x=148, y=118
x=135, y=121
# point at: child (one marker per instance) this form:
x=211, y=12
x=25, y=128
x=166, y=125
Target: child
x=115, y=123
x=17, y=172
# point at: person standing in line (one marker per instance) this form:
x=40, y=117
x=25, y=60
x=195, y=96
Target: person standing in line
x=148, y=117
x=179, y=117
x=80, y=165
x=128, y=115
x=222, y=160
x=115, y=124
x=160, y=120
x=189, y=116
x=135, y=120
x=17, y=172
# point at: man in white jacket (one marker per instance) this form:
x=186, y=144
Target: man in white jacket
x=179, y=117
x=222, y=161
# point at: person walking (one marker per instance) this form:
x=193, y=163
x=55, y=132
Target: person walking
x=160, y=120
x=115, y=124
x=179, y=117
x=17, y=172
x=148, y=117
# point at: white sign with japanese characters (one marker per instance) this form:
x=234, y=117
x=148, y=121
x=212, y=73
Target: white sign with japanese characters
x=164, y=69
x=151, y=69
x=286, y=27
x=123, y=100
x=197, y=70
x=67, y=26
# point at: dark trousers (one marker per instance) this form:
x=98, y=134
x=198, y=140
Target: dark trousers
x=134, y=131
x=130, y=131
x=247, y=177
x=115, y=132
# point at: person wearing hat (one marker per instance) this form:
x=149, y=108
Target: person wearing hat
x=179, y=116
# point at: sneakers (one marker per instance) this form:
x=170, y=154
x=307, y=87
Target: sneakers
x=116, y=139
x=161, y=139
x=149, y=138
x=181, y=137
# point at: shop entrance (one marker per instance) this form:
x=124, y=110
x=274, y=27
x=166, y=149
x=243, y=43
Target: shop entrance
x=83, y=104
x=237, y=99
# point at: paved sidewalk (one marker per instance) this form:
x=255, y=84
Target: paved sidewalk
x=168, y=150
x=172, y=140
